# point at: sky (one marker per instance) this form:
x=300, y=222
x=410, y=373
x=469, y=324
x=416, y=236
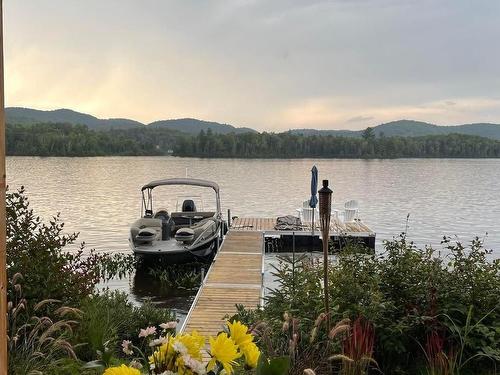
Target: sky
x=271, y=65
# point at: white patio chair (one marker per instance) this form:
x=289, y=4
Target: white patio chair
x=351, y=210
x=306, y=214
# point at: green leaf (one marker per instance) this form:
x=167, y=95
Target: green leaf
x=275, y=366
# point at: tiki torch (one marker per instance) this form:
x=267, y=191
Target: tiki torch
x=325, y=209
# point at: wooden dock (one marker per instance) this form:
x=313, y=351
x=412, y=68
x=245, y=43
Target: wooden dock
x=235, y=277
x=337, y=227
x=236, y=274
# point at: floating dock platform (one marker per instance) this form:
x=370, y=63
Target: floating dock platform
x=237, y=272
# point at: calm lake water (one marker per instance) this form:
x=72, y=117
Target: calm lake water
x=99, y=197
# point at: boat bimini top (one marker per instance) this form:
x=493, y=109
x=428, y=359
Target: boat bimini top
x=147, y=189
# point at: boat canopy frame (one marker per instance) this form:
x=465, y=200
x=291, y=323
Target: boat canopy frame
x=147, y=196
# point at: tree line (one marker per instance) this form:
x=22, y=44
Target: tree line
x=78, y=140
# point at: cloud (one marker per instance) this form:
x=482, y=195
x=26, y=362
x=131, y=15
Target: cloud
x=337, y=112
x=266, y=64
x=360, y=119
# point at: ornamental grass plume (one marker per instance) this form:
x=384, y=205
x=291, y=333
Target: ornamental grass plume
x=357, y=348
x=37, y=343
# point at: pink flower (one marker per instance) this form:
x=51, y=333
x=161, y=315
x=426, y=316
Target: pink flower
x=126, y=347
x=147, y=332
x=169, y=325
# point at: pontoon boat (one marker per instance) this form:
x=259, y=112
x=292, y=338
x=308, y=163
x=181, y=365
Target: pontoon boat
x=181, y=235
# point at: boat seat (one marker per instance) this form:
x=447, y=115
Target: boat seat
x=146, y=235
x=184, y=235
x=147, y=222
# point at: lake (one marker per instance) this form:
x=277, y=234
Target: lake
x=100, y=197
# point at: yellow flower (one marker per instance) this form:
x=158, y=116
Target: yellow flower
x=193, y=342
x=163, y=354
x=252, y=354
x=239, y=333
x=223, y=350
x=122, y=370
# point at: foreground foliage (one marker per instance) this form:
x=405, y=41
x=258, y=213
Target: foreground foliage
x=164, y=352
x=431, y=310
x=56, y=316
x=38, y=344
x=38, y=251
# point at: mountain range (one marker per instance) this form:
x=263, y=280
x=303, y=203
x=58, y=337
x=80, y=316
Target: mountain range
x=404, y=128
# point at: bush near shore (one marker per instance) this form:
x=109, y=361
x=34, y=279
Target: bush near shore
x=404, y=311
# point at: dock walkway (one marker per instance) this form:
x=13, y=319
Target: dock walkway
x=236, y=274
x=235, y=277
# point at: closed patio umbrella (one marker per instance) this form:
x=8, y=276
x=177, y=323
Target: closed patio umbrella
x=314, y=189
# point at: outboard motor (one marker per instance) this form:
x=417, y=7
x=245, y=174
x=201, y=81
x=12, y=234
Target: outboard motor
x=188, y=206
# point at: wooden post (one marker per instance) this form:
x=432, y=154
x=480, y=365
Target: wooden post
x=325, y=210
x=3, y=255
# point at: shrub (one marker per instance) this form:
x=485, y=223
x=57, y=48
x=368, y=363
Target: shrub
x=38, y=252
x=404, y=293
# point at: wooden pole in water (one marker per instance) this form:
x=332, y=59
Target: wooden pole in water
x=3, y=255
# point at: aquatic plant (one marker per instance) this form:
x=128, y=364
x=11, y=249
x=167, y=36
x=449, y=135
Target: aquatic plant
x=186, y=276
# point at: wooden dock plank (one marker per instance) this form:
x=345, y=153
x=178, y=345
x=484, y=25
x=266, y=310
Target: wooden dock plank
x=235, y=277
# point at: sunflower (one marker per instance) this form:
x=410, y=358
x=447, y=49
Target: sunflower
x=239, y=333
x=122, y=370
x=223, y=350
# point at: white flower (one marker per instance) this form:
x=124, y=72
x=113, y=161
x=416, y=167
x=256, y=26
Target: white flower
x=135, y=364
x=169, y=325
x=168, y=372
x=159, y=341
x=195, y=365
x=180, y=348
x=126, y=347
x=147, y=332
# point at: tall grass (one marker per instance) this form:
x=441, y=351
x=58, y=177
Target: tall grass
x=38, y=344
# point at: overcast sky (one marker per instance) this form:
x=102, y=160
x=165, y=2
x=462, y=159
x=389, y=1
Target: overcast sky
x=270, y=65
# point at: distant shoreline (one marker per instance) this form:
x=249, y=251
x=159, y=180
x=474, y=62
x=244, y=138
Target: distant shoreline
x=80, y=141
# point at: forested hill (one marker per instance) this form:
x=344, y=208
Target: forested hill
x=78, y=140
x=28, y=116
x=403, y=128
x=193, y=126
x=410, y=128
